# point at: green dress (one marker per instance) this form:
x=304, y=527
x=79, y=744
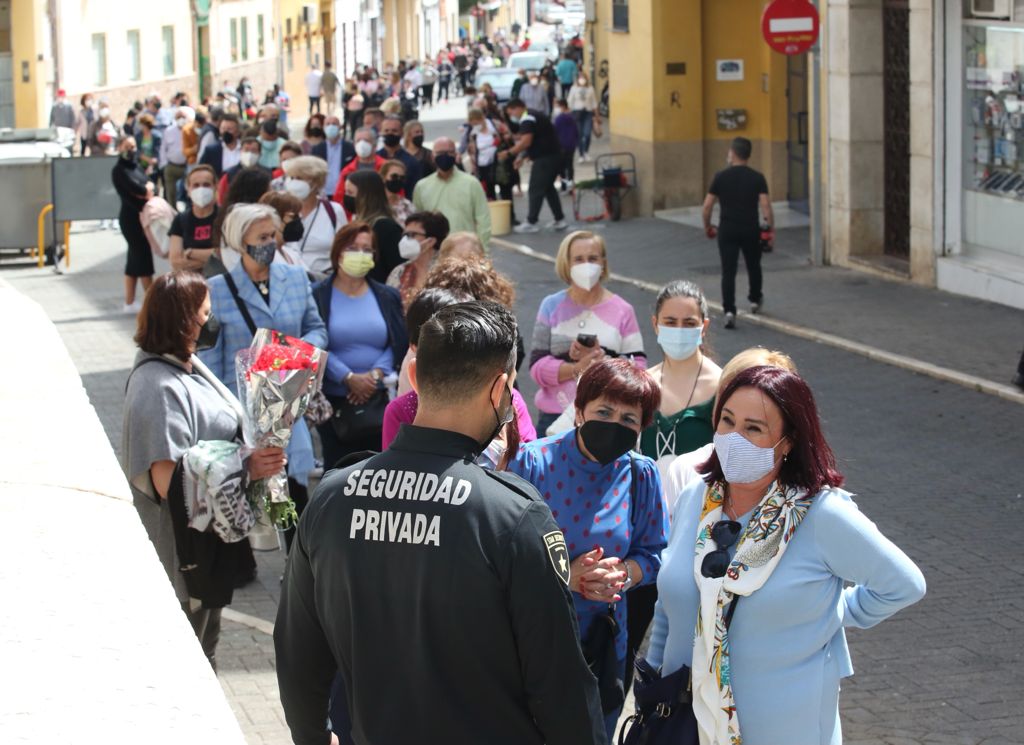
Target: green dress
x=684, y=431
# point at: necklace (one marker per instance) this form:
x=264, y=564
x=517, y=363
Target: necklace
x=263, y=286
x=666, y=444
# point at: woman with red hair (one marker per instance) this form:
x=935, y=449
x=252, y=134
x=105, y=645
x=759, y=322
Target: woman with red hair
x=607, y=501
x=752, y=606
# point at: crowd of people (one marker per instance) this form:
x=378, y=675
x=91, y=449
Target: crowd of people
x=491, y=574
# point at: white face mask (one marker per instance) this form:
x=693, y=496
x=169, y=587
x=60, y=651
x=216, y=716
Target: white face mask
x=202, y=196
x=363, y=149
x=248, y=159
x=679, y=343
x=585, y=276
x=297, y=188
x=105, y=112
x=409, y=248
x=742, y=461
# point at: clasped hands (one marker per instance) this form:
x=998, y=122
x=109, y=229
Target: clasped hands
x=597, y=577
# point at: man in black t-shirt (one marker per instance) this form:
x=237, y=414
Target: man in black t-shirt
x=743, y=194
x=536, y=138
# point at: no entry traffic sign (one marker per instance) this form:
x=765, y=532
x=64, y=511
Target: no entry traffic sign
x=790, y=26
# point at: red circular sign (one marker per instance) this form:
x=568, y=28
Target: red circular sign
x=790, y=26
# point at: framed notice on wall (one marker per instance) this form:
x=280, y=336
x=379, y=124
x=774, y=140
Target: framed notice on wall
x=729, y=70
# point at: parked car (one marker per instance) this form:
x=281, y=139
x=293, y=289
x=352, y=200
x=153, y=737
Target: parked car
x=549, y=48
x=550, y=12
x=501, y=80
x=530, y=61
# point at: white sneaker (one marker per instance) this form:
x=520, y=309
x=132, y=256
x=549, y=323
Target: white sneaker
x=756, y=307
x=132, y=309
x=526, y=227
x=582, y=159
x=568, y=184
x=558, y=225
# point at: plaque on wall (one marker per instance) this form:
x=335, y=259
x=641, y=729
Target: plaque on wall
x=730, y=120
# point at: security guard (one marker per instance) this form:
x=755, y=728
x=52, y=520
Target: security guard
x=438, y=589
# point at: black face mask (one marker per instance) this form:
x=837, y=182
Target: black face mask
x=349, y=203
x=270, y=126
x=444, y=161
x=606, y=441
x=392, y=140
x=500, y=420
x=394, y=185
x=293, y=231
x=209, y=332
x=418, y=140
x=317, y=132
x=228, y=138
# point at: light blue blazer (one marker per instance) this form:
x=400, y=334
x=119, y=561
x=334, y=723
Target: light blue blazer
x=291, y=311
x=787, y=641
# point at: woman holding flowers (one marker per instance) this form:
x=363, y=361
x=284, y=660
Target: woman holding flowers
x=171, y=405
x=262, y=293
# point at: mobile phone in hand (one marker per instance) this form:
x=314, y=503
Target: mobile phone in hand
x=587, y=340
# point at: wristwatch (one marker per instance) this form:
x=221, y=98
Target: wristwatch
x=629, y=577
x=376, y=375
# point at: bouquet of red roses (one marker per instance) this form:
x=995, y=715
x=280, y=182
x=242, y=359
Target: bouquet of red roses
x=277, y=376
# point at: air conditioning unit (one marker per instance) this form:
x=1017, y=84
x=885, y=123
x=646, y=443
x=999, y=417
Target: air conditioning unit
x=309, y=13
x=1002, y=9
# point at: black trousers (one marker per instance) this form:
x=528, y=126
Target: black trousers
x=314, y=101
x=206, y=624
x=568, y=166
x=442, y=88
x=730, y=246
x=486, y=176
x=542, y=186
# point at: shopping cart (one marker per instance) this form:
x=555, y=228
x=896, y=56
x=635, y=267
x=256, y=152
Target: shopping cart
x=601, y=198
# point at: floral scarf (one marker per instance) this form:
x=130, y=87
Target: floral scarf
x=758, y=552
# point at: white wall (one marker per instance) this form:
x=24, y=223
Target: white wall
x=221, y=15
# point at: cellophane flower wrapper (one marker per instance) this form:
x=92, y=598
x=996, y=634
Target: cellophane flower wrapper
x=277, y=375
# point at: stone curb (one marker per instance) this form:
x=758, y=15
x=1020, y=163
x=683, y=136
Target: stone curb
x=973, y=382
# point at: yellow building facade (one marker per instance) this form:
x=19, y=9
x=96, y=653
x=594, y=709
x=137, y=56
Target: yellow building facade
x=306, y=31
x=686, y=77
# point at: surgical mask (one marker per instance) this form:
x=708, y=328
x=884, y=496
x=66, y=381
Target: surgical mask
x=105, y=112
x=331, y=131
x=293, y=231
x=679, y=343
x=585, y=276
x=742, y=461
x=263, y=253
x=607, y=441
x=297, y=188
x=501, y=419
x=349, y=203
x=418, y=140
x=534, y=81
x=394, y=185
x=248, y=159
x=478, y=129
x=179, y=123
x=444, y=161
x=202, y=196
x=356, y=263
x=409, y=248
x=363, y=148
x=581, y=81
x=209, y=332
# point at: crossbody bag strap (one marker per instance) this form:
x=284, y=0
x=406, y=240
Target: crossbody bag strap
x=233, y=288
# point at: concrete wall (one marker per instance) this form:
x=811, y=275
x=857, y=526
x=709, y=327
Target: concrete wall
x=261, y=70
x=94, y=645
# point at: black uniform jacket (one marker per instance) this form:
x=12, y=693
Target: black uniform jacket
x=441, y=591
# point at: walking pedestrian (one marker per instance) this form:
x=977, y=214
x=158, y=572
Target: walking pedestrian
x=192, y=241
x=393, y=173
x=566, y=71
x=579, y=326
x=482, y=140
x=83, y=123
x=365, y=160
x=353, y=102
x=321, y=218
x=537, y=140
x=148, y=146
x=313, y=88
x=313, y=133
x=224, y=155
x=582, y=100
x=769, y=562
x=445, y=71
x=412, y=141
x=134, y=190
x=172, y=404
x=172, y=156
x=533, y=94
x=568, y=139
x=271, y=138
x=329, y=84
x=391, y=134
x=454, y=193
x=609, y=508
x=743, y=195
x=62, y=114
x=248, y=159
x=103, y=133
x=512, y=646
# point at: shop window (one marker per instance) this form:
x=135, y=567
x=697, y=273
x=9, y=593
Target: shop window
x=260, y=46
x=167, y=40
x=620, y=15
x=99, y=59
x=134, y=56
x=245, y=39
x=234, y=40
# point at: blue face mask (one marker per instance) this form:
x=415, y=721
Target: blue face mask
x=332, y=131
x=679, y=343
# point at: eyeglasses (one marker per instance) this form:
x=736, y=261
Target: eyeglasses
x=724, y=533
x=413, y=234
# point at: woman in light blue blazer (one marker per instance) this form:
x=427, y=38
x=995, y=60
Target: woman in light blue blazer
x=751, y=589
x=275, y=295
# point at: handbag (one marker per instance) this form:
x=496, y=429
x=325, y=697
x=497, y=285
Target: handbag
x=603, y=660
x=664, y=705
x=319, y=411
x=358, y=421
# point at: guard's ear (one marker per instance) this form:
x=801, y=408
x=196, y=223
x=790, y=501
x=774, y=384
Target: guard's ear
x=412, y=375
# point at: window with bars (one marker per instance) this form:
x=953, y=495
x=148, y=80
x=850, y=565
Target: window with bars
x=620, y=15
x=99, y=59
x=134, y=56
x=167, y=39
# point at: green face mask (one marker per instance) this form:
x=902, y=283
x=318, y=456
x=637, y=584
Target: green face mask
x=356, y=263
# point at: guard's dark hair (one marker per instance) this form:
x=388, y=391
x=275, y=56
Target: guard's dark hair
x=463, y=348
x=742, y=147
x=435, y=225
x=426, y=304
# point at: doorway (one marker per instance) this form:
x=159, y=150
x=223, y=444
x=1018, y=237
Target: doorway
x=896, y=84
x=797, y=133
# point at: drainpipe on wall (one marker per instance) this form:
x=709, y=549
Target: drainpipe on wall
x=818, y=210
x=51, y=12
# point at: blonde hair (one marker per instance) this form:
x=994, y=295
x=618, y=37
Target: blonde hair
x=243, y=216
x=391, y=165
x=563, y=261
x=754, y=357
x=309, y=168
x=391, y=106
x=454, y=240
